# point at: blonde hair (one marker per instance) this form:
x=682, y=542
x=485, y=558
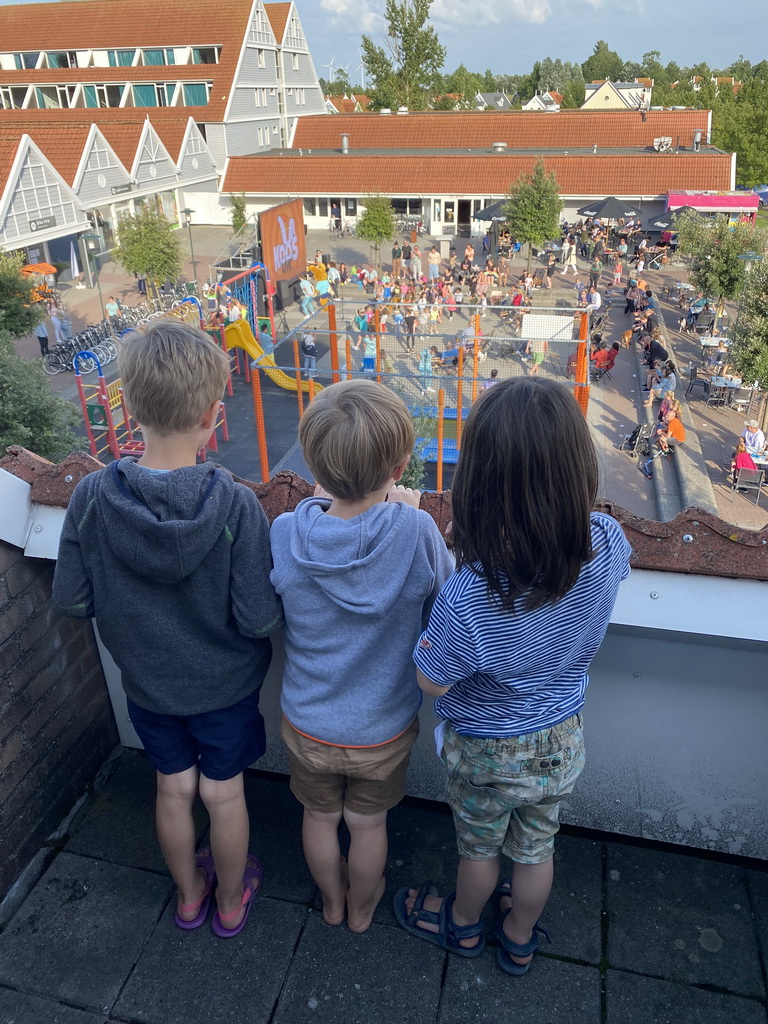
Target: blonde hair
x=171, y=373
x=354, y=435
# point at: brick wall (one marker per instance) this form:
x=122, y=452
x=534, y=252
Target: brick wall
x=56, y=724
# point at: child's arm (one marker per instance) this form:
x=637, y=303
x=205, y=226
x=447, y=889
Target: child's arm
x=427, y=686
x=255, y=605
x=72, y=588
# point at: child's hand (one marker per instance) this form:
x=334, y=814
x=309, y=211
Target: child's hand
x=405, y=494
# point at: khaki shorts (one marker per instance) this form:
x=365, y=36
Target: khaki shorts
x=505, y=793
x=365, y=780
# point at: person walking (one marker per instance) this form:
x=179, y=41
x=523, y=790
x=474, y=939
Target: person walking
x=41, y=333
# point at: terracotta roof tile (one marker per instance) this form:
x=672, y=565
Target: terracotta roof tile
x=62, y=147
x=8, y=148
x=278, y=18
x=632, y=174
x=519, y=129
x=104, y=24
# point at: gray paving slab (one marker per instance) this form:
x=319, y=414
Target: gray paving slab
x=478, y=992
x=275, y=816
x=119, y=826
x=79, y=932
x=634, y=999
x=573, y=912
x=380, y=977
x=757, y=882
x=681, y=918
x=21, y=1008
x=196, y=977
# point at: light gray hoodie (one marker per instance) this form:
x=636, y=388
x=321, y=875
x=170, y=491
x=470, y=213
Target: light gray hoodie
x=355, y=593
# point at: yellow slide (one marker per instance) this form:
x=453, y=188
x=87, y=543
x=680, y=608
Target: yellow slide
x=240, y=335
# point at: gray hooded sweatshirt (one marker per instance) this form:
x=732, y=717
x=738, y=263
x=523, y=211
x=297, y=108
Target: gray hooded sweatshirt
x=175, y=568
x=355, y=593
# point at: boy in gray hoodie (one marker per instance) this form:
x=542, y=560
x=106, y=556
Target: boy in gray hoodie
x=172, y=558
x=357, y=567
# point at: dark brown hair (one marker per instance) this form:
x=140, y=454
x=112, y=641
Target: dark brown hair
x=524, y=490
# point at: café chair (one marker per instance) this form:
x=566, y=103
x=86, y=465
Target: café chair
x=749, y=480
x=697, y=381
x=715, y=394
x=741, y=399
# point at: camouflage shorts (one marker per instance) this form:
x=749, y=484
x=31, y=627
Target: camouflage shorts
x=505, y=793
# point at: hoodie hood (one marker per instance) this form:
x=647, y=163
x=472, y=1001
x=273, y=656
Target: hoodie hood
x=361, y=564
x=162, y=525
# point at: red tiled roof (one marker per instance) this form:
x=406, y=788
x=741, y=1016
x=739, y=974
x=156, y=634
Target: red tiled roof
x=519, y=129
x=556, y=96
x=278, y=18
x=343, y=104
x=632, y=174
x=8, y=148
x=105, y=24
x=62, y=147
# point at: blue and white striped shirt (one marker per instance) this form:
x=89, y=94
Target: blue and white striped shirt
x=515, y=672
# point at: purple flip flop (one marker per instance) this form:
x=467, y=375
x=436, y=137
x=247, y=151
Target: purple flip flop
x=252, y=878
x=203, y=860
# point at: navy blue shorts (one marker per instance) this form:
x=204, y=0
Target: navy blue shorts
x=221, y=743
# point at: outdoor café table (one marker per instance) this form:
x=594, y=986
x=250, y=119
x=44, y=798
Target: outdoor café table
x=708, y=341
x=732, y=383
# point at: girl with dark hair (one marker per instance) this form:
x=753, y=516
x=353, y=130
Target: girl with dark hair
x=506, y=652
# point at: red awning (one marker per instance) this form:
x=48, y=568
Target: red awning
x=714, y=202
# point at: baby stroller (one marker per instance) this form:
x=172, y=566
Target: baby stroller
x=638, y=442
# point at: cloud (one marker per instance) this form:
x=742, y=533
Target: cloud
x=354, y=16
x=460, y=13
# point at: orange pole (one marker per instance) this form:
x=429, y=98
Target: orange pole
x=86, y=421
x=311, y=388
x=299, y=392
x=261, y=433
x=459, y=397
x=377, y=326
x=348, y=351
x=440, y=435
x=582, y=362
x=334, y=342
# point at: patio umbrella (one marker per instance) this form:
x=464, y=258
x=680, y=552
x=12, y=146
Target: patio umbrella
x=609, y=208
x=668, y=219
x=494, y=212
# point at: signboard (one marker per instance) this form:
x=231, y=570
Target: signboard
x=282, y=240
x=42, y=223
x=118, y=190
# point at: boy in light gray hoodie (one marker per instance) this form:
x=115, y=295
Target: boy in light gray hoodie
x=357, y=567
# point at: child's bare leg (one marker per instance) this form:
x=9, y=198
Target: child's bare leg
x=225, y=803
x=367, y=857
x=176, y=833
x=531, y=886
x=320, y=836
x=475, y=883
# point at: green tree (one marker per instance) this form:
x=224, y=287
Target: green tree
x=405, y=70
x=749, y=334
x=603, y=63
x=466, y=84
x=533, y=208
x=149, y=245
x=714, y=248
x=29, y=414
x=239, y=217
x=377, y=222
x=18, y=313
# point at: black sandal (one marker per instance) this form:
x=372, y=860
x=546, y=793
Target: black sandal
x=449, y=935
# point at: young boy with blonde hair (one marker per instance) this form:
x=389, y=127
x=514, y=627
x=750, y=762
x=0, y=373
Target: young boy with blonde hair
x=172, y=559
x=357, y=567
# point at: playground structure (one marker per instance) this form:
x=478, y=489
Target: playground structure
x=108, y=423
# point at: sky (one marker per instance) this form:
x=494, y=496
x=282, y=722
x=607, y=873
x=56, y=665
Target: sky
x=507, y=36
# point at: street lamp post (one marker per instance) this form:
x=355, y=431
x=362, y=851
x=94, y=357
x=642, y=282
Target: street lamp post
x=90, y=242
x=188, y=220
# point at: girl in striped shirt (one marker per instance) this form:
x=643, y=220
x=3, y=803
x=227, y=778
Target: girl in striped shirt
x=506, y=652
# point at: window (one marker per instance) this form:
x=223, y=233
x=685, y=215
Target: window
x=350, y=207
x=120, y=58
x=99, y=158
x=260, y=134
x=403, y=206
x=260, y=31
x=12, y=97
x=260, y=97
x=62, y=59
x=261, y=58
x=205, y=55
x=51, y=97
x=27, y=61
x=145, y=95
x=294, y=36
x=155, y=57
x=274, y=129
x=309, y=207
x=295, y=61
x=322, y=207
x=195, y=93
x=103, y=95
x=300, y=96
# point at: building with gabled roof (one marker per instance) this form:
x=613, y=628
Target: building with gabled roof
x=549, y=102
x=608, y=95
x=493, y=101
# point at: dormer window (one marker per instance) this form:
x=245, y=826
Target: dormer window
x=121, y=58
x=205, y=55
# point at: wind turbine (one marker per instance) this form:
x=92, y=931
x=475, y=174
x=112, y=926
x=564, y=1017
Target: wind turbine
x=329, y=65
x=360, y=67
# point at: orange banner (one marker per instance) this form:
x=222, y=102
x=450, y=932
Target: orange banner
x=282, y=240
